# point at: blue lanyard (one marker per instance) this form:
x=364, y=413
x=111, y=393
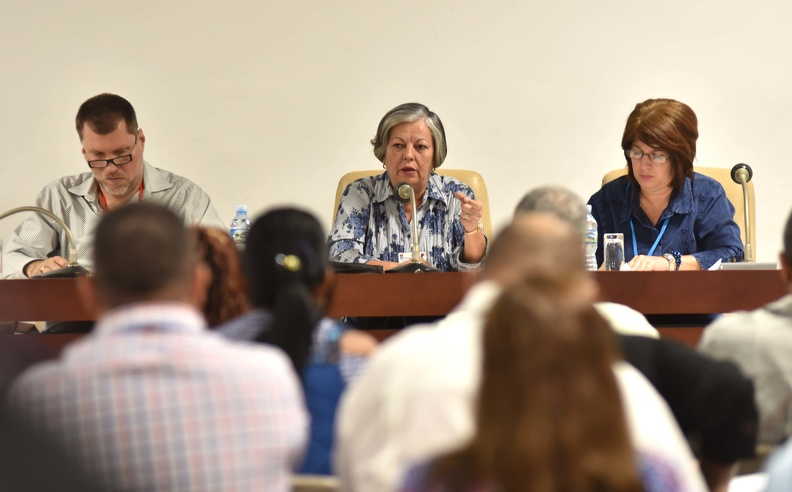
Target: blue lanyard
x=654, y=245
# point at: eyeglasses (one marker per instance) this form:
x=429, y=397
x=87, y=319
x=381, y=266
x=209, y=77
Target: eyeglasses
x=656, y=157
x=118, y=161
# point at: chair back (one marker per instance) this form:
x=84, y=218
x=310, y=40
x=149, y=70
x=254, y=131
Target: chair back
x=734, y=193
x=470, y=178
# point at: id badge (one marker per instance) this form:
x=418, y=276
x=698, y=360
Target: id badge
x=408, y=256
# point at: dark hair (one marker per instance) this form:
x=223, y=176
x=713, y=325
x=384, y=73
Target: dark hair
x=140, y=249
x=285, y=259
x=226, y=297
x=103, y=112
x=788, y=239
x=667, y=125
x=548, y=413
x=407, y=113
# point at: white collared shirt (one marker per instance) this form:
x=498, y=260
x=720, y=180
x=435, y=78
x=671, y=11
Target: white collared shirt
x=415, y=401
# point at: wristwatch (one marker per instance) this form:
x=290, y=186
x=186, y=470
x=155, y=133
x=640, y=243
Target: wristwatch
x=479, y=228
x=674, y=260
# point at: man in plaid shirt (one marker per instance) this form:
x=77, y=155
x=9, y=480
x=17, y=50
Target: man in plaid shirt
x=153, y=401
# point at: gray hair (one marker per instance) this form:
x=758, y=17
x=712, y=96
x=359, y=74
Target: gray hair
x=408, y=113
x=557, y=200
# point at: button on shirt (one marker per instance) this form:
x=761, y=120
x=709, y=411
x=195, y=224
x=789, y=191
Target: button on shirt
x=371, y=223
x=700, y=221
x=152, y=401
x=75, y=200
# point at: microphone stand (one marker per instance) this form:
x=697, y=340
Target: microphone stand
x=742, y=174
x=73, y=268
x=406, y=192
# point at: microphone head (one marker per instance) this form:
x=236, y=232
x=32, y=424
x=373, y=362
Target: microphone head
x=405, y=191
x=741, y=173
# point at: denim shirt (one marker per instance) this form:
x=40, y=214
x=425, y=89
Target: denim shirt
x=371, y=224
x=701, y=221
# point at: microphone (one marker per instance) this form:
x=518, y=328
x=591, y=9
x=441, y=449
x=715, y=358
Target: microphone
x=406, y=192
x=741, y=174
x=73, y=269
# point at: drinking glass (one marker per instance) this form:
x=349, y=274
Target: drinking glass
x=614, y=251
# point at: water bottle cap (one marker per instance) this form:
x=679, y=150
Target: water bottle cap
x=241, y=209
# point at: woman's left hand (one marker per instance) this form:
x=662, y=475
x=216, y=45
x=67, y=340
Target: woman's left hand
x=472, y=211
x=648, y=263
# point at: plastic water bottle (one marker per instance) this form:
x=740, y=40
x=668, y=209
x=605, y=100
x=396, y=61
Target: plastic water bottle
x=240, y=225
x=590, y=240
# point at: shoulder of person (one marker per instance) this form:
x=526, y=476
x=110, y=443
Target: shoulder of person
x=67, y=184
x=158, y=179
x=615, y=190
x=705, y=185
x=451, y=185
x=366, y=184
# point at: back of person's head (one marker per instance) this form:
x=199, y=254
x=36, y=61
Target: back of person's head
x=548, y=413
x=226, y=294
x=539, y=243
x=788, y=240
x=285, y=261
x=103, y=112
x=556, y=200
x=143, y=252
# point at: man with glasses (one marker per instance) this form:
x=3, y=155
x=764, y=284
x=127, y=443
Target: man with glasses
x=112, y=145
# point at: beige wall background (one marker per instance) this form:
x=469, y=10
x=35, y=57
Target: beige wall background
x=269, y=103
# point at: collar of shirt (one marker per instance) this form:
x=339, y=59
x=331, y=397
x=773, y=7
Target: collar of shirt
x=681, y=203
x=383, y=190
x=151, y=317
x=156, y=180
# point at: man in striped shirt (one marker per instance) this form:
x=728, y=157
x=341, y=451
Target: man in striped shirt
x=151, y=400
x=112, y=145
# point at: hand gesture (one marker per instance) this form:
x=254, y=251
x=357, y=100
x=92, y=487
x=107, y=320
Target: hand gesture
x=472, y=211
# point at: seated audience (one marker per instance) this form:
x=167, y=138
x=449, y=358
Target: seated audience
x=759, y=342
x=290, y=282
x=372, y=224
x=693, y=384
x=548, y=413
x=150, y=400
x=672, y=218
x=226, y=295
x=415, y=399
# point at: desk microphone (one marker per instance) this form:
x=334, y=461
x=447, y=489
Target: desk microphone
x=742, y=174
x=406, y=192
x=74, y=269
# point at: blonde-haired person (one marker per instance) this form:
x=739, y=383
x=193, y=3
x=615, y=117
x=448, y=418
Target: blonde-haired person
x=372, y=224
x=548, y=413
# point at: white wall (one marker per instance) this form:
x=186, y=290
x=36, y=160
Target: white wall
x=270, y=102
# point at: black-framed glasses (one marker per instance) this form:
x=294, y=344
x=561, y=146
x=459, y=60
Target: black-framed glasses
x=657, y=157
x=118, y=161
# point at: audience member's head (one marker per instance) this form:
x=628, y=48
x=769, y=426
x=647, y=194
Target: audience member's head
x=540, y=245
x=556, y=200
x=786, y=255
x=286, y=265
x=548, y=413
x=143, y=252
x=226, y=295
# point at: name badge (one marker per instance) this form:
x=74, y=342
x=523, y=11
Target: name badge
x=408, y=256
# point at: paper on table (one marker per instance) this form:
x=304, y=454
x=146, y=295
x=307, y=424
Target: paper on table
x=716, y=265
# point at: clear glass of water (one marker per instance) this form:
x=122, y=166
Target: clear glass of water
x=613, y=243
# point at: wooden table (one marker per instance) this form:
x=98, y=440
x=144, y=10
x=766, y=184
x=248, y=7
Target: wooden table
x=434, y=294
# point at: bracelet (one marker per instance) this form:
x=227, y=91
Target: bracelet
x=677, y=259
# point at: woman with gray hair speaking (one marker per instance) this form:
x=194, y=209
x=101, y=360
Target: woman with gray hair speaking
x=372, y=224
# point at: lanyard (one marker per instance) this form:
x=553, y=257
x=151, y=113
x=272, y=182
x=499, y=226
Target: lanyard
x=654, y=245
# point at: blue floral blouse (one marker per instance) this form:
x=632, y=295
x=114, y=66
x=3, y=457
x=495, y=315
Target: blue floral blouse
x=371, y=224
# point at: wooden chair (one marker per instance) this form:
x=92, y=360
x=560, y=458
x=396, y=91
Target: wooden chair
x=733, y=193
x=470, y=178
